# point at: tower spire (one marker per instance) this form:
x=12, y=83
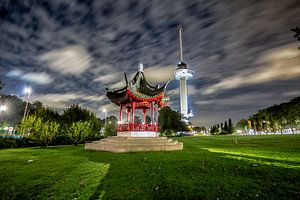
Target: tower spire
x=180, y=29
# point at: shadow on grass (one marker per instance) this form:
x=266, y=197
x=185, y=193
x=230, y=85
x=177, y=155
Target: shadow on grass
x=99, y=191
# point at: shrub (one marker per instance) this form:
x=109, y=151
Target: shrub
x=7, y=143
x=79, y=131
x=110, y=130
x=39, y=131
x=168, y=133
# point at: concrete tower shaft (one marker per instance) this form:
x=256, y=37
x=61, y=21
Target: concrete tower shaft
x=183, y=97
x=182, y=73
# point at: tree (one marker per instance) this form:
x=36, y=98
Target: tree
x=214, y=130
x=110, y=130
x=79, y=131
x=297, y=31
x=41, y=132
x=230, y=127
x=170, y=120
x=242, y=124
x=1, y=85
x=75, y=114
x=48, y=132
x=46, y=114
x=112, y=120
x=27, y=126
x=15, y=109
x=277, y=117
x=199, y=129
x=226, y=129
x=33, y=107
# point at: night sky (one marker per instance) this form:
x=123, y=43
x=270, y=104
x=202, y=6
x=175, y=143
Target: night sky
x=243, y=53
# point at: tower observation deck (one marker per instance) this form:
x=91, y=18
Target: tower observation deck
x=182, y=73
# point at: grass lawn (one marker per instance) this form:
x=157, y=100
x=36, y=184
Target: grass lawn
x=216, y=167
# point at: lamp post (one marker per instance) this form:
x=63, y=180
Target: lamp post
x=2, y=108
x=27, y=90
x=105, y=111
x=103, y=129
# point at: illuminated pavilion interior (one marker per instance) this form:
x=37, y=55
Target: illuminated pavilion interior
x=138, y=94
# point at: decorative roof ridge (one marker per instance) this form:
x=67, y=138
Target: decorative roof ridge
x=135, y=94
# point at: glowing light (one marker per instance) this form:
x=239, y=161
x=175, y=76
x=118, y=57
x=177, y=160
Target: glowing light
x=3, y=108
x=27, y=90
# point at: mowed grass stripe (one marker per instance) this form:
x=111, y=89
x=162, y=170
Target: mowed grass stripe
x=54, y=173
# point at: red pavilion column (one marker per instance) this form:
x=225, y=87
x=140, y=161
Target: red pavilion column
x=154, y=118
x=121, y=113
x=157, y=116
x=144, y=123
x=152, y=113
x=128, y=115
x=133, y=111
x=144, y=112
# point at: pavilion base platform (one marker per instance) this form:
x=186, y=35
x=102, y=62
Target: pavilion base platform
x=138, y=134
x=134, y=144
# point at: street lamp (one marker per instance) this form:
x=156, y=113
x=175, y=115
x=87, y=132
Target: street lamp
x=105, y=111
x=2, y=108
x=27, y=90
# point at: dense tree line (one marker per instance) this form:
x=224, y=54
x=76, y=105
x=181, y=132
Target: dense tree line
x=226, y=128
x=274, y=118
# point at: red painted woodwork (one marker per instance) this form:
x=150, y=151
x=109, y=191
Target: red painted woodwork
x=137, y=127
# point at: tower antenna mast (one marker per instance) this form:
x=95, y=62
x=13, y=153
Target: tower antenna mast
x=180, y=29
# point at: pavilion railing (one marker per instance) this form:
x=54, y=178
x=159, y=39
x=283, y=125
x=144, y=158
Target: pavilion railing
x=137, y=127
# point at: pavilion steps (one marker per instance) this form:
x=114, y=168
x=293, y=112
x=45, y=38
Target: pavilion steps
x=134, y=144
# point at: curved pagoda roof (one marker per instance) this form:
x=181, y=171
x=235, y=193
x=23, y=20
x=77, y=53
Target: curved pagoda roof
x=137, y=89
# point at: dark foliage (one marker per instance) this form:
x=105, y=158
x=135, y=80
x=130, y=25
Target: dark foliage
x=277, y=117
x=297, y=31
x=1, y=85
x=16, y=143
x=170, y=120
x=75, y=113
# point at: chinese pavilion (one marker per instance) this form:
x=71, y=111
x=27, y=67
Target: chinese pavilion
x=138, y=94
